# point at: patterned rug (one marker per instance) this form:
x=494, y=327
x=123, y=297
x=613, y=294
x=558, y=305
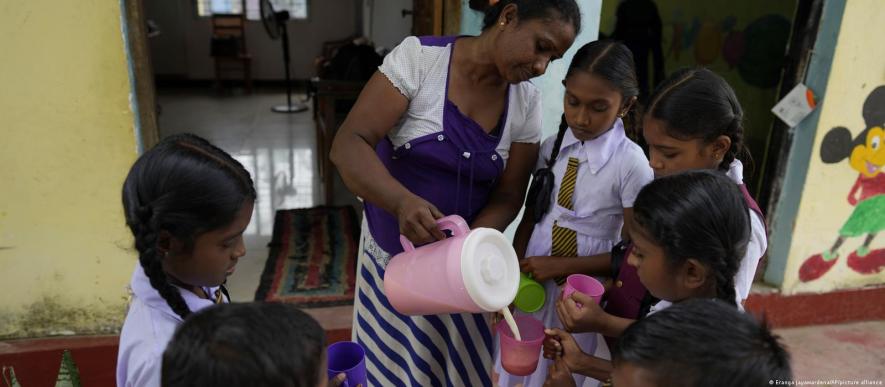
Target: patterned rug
x=312, y=259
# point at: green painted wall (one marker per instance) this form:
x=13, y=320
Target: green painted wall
x=743, y=41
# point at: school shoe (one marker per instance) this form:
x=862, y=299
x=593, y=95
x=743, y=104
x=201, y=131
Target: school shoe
x=816, y=266
x=865, y=261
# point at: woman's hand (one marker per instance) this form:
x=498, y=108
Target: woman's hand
x=417, y=220
x=558, y=374
x=544, y=268
x=589, y=317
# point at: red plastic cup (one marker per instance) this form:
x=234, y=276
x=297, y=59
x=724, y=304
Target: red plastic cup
x=584, y=284
x=520, y=358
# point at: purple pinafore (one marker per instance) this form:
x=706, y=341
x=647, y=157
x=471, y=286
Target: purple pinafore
x=455, y=170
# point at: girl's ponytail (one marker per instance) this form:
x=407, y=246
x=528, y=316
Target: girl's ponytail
x=543, y=180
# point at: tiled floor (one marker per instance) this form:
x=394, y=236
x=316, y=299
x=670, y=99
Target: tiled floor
x=844, y=352
x=279, y=150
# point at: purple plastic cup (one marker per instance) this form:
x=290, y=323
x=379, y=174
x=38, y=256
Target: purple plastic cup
x=349, y=358
x=584, y=284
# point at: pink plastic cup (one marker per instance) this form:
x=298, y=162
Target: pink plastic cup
x=584, y=284
x=520, y=358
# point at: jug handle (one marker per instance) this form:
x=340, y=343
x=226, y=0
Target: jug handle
x=454, y=223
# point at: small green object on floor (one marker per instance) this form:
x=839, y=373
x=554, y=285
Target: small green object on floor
x=68, y=374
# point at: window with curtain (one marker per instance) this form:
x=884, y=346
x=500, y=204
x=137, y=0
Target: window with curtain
x=297, y=8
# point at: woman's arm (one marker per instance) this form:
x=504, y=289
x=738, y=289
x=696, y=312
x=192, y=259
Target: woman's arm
x=507, y=198
x=378, y=107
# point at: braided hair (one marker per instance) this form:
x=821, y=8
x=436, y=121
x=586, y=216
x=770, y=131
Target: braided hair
x=184, y=186
x=701, y=215
x=611, y=61
x=696, y=103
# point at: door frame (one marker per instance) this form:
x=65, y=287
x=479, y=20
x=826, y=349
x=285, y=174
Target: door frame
x=141, y=76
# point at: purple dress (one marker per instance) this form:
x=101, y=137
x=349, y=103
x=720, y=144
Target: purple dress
x=456, y=170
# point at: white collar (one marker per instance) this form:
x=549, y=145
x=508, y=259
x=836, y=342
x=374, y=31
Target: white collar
x=600, y=149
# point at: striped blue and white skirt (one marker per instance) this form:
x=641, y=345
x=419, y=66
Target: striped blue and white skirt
x=438, y=350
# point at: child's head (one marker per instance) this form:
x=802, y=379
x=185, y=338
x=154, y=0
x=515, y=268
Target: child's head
x=699, y=343
x=252, y=344
x=693, y=121
x=187, y=204
x=600, y=86
x=690, y=233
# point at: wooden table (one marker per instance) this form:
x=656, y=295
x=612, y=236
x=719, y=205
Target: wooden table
x=332, y=101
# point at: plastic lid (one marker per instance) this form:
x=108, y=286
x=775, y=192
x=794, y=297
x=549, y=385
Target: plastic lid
x=490, y=269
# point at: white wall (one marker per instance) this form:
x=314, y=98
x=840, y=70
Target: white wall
x=387, y=26
x=182, y=49
x=550, y=83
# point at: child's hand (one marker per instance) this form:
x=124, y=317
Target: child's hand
x=588, y=318
x=337, y=380
x=558, y=375
x=564, y=347
x=552, y=347
x=543, y=268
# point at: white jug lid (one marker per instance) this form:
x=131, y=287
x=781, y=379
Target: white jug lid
x=490, y=269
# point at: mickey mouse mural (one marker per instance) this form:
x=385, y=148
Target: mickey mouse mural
x=866, y=155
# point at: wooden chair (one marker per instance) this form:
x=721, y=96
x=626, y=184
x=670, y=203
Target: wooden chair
x=229, y=47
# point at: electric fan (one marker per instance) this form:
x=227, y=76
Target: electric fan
x=275, y=24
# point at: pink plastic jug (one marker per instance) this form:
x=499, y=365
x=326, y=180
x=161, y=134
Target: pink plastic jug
x=471, y=272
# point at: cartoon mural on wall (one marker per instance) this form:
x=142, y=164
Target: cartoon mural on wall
x=866, y=155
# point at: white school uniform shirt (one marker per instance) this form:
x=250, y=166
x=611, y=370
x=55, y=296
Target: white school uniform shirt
x=756, y=247
x=612, y=170
x=150, y=324
x=420, y=73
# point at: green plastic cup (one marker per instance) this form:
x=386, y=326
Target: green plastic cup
x=531, y=295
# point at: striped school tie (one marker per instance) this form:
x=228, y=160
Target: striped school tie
x=565, y=240
x=219, y=296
